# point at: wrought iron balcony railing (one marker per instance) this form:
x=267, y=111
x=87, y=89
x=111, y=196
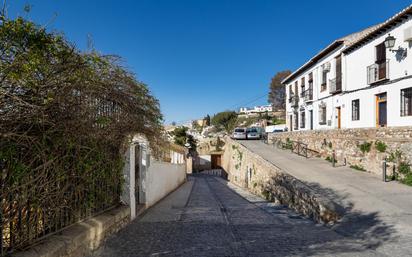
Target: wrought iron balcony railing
x=308, y=95
x=378, y=72
x=294, y=100
x=335, y=85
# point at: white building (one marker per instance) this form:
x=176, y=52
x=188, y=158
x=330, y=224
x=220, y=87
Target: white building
x=256, y=109
x=357, y=81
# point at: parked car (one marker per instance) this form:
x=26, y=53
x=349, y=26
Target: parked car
x=239, y=133
x=253, y=133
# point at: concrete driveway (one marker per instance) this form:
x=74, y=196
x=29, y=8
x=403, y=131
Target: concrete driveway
x=378, y=213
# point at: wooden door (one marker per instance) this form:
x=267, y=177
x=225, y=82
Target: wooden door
x=381, y=110
x=216, y=161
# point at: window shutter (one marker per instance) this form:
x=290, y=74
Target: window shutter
x=338, y=68
x=380, y=53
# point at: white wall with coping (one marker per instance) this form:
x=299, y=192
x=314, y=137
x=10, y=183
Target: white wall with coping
x=161, y=179
x=156, y=178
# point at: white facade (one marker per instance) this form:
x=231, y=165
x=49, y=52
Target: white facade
x=256, y=109
x=357, y=52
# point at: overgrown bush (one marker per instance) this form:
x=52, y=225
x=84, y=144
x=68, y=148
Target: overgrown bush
x=64, y=116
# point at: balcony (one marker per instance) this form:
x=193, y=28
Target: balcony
x=308, y=95
x=335, y=85
x=294, y=101
x=378, y=72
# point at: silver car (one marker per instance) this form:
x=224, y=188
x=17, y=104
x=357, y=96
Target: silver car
x=239, y=133
x=253, y=133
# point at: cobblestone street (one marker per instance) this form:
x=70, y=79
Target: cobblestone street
x=208, y=217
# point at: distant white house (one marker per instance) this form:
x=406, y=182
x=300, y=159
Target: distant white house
x=256, y=109
x=361, y=80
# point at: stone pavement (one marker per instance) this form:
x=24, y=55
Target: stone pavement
x=377, y=213
x=208, y=216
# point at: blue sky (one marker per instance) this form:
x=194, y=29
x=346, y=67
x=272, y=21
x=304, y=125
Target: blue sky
x=204, y=56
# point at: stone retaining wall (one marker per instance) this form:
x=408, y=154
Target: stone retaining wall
x=249, y=170
x=347, y=145
x=81, y=238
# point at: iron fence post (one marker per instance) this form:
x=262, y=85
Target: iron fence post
x=384, y=170
x=333, y=158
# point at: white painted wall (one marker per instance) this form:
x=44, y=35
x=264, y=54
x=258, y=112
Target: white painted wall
x=161, y=179
x=157, y=179
x=354, y=82
x=318, y=96
x=357, y=63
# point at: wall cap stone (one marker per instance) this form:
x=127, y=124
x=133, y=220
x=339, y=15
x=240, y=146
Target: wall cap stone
x=84, y=236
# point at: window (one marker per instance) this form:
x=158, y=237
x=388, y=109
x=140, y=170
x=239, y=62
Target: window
x=310, y=80
x=324, y=79
x=296, y=121
x=302, y=87
x=296, y=88
x=406, y=102
x=355, y=110
x=302, y=119
x=322, y=114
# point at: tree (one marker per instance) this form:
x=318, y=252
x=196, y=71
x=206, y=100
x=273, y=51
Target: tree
x=277, y=92
x=226, y=120
x=181, y=137
x=207, y=120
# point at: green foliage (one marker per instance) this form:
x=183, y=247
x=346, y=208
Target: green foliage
x=357, y=167
x=277, y=121
x=181, y=137
x=225, y=120
x=246, y=121
x=380, y=146
x=65, y=116
x=330, y=144
x=365, y=147
x=329, y=159
x=404, y=168
x=407, y=179
x=267, y=195
x=395, y=156
x=288, y=145
x=254, y=185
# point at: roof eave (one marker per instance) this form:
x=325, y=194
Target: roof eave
x=333, y=46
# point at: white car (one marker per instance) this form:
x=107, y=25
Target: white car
x=239, y=133
x=253, y=133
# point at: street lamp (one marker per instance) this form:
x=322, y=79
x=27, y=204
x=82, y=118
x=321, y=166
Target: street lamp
x=390, y=43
